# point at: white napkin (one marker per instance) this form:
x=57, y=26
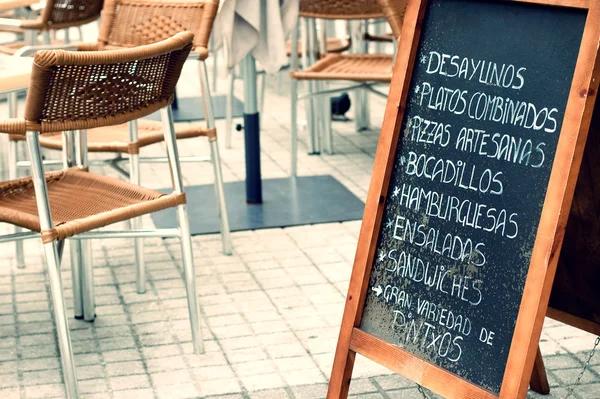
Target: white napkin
x=257, y=27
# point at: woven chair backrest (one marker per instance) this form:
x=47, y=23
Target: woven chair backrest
x=394, y=12
x=84, y=90
x=340, y=9
x=128, y=23
x=60, y=14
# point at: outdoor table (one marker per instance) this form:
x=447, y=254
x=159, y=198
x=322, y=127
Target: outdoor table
x=14, y=78
x=14, y=73
x=254, y=32
x=12, y=4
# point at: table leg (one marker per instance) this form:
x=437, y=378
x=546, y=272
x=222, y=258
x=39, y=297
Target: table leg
x=252, y=133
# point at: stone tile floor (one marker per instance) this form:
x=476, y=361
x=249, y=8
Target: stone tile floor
x=271, y=312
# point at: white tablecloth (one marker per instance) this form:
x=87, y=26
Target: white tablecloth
x=257, y=27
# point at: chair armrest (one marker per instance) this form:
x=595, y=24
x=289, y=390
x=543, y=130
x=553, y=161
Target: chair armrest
x=202, y=52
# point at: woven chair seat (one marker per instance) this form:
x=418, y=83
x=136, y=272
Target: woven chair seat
x=116, y=138
x=79, y=201
x=354, y=67
x=334, y=45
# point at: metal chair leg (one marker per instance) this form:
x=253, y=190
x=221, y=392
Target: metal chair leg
x=13, y=158
x=280, y=82
x=216, y=160
x=52, y=264
x=182, y=219
x=294, y=127
x=327, y=128
x=215, y=64
x=68, y=160
x=76, y=271
x=365, y=110
x=362, y=109
x=309, y=103
x=84, y=248
x=67, y=34
x=136, y=224
x=60, y=317
x=87, y=279
x=263, y=87
x=220, y=195
x=46, y=38
x=229, y=111
x=190, y=279
x=294, y=102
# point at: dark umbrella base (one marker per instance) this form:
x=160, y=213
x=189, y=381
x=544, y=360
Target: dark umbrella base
x=307, y=200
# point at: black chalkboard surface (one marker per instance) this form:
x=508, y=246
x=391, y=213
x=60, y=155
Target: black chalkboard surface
x=488, y=95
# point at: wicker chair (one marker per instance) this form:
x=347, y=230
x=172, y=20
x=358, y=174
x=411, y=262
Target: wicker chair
x=78, y=91
x=56, y=15
x=364, y=70
x=129, y=23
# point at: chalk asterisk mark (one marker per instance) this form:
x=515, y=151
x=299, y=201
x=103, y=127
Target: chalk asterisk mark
x=396, y=191
x=381, y=256
x=423, y=59
x=417, y=89
x=389, y=224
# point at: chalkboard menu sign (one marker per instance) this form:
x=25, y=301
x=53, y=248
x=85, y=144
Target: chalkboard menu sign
x=466, y=210
x=479, y=135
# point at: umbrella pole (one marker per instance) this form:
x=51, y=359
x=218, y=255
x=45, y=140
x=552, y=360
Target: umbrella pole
x=252, y=133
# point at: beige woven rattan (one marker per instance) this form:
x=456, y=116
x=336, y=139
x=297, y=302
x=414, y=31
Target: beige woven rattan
x=79, y=202
x=334, y=45
x=394, y=13
x=85, y=90
x=365, y=67
x=116, y=138
x=362, y=68
x=77, y=91
x=127, y=23
x=60, y=14
x=130, y=23
x=340, y=9
x=56, y=15
x=353, y=67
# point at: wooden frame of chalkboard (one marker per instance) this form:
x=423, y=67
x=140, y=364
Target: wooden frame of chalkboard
x=547, y=243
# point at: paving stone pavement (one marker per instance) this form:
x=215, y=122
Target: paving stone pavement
x=270, y=313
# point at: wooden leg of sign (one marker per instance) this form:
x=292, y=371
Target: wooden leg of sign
x=343, y=363
x=539, y=378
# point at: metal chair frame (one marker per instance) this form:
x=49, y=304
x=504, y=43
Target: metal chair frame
x=135, y=160
x=75, y=143
x=134, y=174
x=357, y=17
x=30, y=35
x=83, y=287
x=315, y=91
